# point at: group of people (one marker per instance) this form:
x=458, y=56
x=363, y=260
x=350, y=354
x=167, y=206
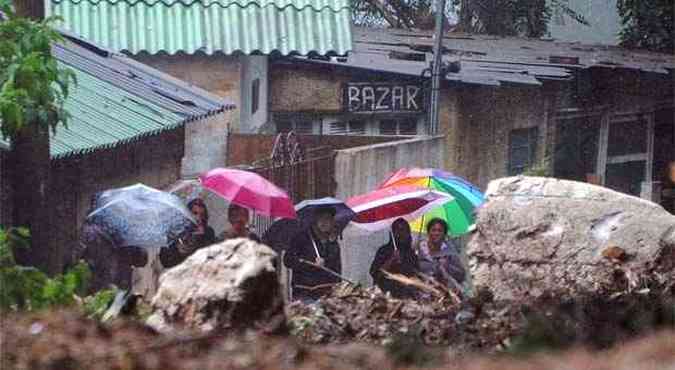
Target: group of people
x=313, y=255
x=314, y=258
x=113, y=265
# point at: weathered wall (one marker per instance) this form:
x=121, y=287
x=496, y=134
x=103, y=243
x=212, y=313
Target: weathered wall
x=154, y=161
x=300, y=87
x=5, y=189
x=218, y=74
x=486, y=117
x=254, y=67
x=359, y=170
x=246, y=149
x=205, y=144
x=297, y=88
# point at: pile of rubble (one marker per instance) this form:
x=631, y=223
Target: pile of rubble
x=352, y=313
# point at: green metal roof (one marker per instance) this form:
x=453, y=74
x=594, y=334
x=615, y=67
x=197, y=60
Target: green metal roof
x=117, y=101
x=289, y=27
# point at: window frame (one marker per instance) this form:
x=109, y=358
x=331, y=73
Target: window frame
x=532, y=139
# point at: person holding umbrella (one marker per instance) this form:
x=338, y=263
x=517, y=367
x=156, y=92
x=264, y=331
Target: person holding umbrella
x=196, y=238
x=109, y=264
x=239, y=218
x=396, y=257
x=314, y=257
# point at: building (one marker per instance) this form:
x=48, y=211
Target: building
x=128, y=124
x=591, y=113
x=222, y=46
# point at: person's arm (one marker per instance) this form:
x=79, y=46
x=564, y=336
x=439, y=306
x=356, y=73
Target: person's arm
x=171, y=256
x=335, y=261
x=454, y=268
x=378, y=263
x=293, y=254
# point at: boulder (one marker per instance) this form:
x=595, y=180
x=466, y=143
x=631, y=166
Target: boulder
x=231, y=285
x=540, y=235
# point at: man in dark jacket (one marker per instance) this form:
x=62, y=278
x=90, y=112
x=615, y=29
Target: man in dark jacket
x=396, y=257
x=310, y=253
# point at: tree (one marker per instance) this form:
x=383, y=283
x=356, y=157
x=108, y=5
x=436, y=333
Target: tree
x=33, y=88
x=528, y=18
x=647, y=24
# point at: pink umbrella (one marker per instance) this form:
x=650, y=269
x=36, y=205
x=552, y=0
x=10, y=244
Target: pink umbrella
x=378, y=209
x=249, y=190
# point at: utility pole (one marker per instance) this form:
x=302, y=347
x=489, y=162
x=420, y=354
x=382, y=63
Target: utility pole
x=437, y=68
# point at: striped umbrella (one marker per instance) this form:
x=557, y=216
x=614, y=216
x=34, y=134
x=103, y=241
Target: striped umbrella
x=458, y=213
x=378, y=209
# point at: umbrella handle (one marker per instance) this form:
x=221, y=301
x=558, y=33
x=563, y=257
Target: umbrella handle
x=393, y=240
x=316, y=250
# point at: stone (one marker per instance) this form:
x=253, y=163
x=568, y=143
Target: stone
x=228, y=286
x=537, y=235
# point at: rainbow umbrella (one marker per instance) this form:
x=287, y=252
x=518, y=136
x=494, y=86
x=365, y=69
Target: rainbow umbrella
x=458, y=213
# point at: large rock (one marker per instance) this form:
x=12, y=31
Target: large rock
x=537, y=235
x=232, y=285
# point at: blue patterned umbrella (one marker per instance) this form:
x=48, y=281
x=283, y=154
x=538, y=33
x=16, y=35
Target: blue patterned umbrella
x=140, y=216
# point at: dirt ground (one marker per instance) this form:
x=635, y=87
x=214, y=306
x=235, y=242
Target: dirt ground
x=65, y=340
x=362, y=329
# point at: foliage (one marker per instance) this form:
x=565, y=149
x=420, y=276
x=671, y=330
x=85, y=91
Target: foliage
x=525, y=18
x=96, y=305
x=647, y=24
x=528, y=18
x=27, y=288
x=33, y=87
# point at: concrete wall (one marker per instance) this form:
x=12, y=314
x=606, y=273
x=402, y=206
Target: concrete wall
x=254, y=67
x=205, y=144
x=359, y=170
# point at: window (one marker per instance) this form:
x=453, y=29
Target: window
x=255, y=95
x=398, y=127
x=522, y=150
x=347, y=128
x=299, y=126
x=576, y=150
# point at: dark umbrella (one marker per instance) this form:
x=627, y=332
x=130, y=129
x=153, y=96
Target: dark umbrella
x=306, y=211
x=140, y=216
x=280, y=234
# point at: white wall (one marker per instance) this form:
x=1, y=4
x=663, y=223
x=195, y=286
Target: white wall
x=254, y=67
x=602, y=15
x=205, y=144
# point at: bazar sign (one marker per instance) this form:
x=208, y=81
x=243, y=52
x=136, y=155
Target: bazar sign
x=382, y=97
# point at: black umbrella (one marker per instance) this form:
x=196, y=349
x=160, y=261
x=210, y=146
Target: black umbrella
x=140, y=216
x=279, y=235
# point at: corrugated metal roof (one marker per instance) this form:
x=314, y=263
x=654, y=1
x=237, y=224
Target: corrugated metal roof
x=118, y=100
x=289, y=27
x=491, y=60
